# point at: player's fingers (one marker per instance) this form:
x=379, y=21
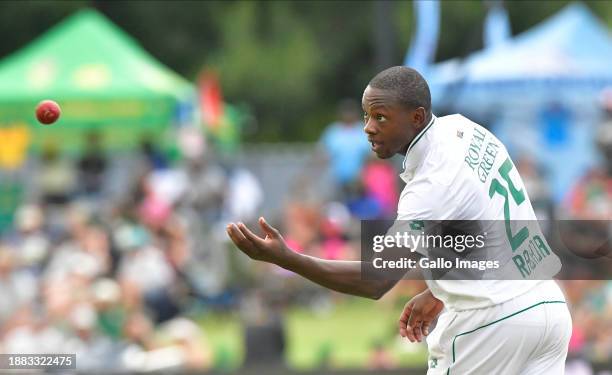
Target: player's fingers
x=402, y=328
x=429, y=314
x=410, y=334
x=239, y=239
x=416, y=315
x=268, y=229
x=255, y=239
x=413, y=325
x=405, y=315
x=418, y=333
x=230, y=233
x=415, y=321
x=403, y=319
x=235, y=234
x=425, y=327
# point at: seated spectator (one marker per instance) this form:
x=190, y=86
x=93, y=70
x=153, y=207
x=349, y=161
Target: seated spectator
x=92, y=166
x=57, y=178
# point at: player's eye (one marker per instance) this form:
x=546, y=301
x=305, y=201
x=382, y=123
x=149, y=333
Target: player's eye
x=365, y=116
x=381, y=118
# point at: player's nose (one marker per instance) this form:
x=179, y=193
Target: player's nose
x=369, y=128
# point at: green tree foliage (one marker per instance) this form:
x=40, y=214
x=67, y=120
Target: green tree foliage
x=267, y=51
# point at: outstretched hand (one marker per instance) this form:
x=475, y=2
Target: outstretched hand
x=270, y=249
x=418, y=315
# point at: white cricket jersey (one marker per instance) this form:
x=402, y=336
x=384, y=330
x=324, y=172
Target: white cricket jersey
x=457, y=170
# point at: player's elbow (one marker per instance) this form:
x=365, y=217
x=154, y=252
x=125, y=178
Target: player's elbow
x=379, y=289
x=377, y=295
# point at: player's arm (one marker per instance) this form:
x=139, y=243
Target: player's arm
x=338, y=275
x=341, y=276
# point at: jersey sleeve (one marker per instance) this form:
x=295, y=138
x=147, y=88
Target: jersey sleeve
x=416, y=212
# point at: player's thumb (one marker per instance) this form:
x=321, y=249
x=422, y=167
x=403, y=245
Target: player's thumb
x=268, y=229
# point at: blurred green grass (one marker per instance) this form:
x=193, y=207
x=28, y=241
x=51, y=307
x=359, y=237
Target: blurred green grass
x=341, y=335
x=224, y=334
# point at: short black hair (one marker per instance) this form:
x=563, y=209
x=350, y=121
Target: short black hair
x=407, y=84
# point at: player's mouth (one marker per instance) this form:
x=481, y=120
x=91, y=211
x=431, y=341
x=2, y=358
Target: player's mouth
x=376, y=146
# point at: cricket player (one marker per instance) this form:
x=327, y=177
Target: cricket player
x=454, y=169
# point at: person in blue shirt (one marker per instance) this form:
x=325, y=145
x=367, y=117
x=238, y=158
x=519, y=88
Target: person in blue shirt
x=345, y=146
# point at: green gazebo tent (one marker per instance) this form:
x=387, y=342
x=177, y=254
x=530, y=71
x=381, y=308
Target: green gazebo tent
x=101, y=77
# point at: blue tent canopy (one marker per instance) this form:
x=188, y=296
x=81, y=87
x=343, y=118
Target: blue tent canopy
x=566, y=57
x=539, y=92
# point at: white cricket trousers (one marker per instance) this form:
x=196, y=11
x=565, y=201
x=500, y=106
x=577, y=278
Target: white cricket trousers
x=527, y=335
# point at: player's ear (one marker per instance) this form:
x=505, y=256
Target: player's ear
x=419, y=115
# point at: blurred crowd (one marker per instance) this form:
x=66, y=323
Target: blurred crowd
x=114, y=258
x=106, y=257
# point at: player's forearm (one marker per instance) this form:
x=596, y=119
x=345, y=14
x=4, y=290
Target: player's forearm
x=340, y=275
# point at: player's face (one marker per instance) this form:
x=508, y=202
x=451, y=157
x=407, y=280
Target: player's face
x=390, y=127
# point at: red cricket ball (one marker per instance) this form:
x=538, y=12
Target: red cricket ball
x=47, y=112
